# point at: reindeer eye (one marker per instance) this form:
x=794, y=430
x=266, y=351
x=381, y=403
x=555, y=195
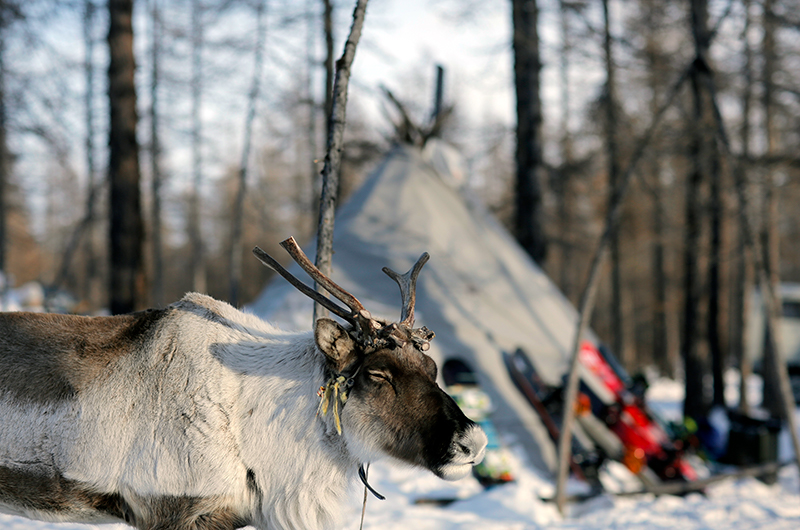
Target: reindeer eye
x=381, y=377
x=385, y=376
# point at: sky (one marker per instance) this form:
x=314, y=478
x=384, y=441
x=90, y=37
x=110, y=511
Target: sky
x=404, y=41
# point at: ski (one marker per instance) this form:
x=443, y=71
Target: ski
x=547, y=403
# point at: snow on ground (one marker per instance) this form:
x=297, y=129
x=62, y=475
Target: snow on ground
x=730, y=505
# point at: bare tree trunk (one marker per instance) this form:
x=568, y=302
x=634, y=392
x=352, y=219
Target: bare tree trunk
x=86, y=223
x=195, y=230
x=438, y=96
x=333, y=158
x=716, y=345
x=311, y=130
x=620, y=336
x=5, y=163
x=155, y=156
x=743, y=282
x=127, y=286
x=92, y=285
x=238, y=209
x=718, y=302
x=663, y=347
x=664, y=350
x=769, y=231
x=696, y=402
x=527, y=65
x=743, y=286
x=565, y=199
x=8, y=13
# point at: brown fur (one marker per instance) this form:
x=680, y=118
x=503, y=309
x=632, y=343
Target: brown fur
x=64, y=352
x=38, y=488
x=399, y=381
x=187, y=513
x=35, y=487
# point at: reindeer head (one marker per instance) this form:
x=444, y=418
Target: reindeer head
x=382, y=385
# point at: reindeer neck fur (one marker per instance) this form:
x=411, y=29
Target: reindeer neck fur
x=294, y=455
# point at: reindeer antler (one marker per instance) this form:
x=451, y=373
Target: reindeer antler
x=358, y=316
x=367, y=328
x=404, y=331
x=408, y=288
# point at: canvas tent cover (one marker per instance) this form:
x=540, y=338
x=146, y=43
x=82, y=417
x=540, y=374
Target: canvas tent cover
x=480, y=292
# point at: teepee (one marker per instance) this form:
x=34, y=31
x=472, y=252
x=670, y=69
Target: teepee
x=480, y=292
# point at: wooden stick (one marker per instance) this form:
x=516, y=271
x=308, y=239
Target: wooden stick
x=333, y=158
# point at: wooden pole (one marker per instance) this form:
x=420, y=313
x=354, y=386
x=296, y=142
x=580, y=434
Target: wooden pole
x=438, y=97
x=333, y=158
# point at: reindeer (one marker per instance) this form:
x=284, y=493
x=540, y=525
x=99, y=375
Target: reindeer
x=201, y=417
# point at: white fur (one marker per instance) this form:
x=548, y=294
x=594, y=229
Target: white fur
x=461, y=465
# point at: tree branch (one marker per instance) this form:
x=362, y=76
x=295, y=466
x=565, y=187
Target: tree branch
x=333, y=158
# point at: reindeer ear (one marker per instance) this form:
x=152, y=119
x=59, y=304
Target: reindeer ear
x=336, y=343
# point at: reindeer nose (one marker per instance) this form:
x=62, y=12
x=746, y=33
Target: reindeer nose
x=474, y=443
x=466, y=450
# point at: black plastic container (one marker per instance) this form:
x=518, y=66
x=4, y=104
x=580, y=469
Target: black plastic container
x=753, y=441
